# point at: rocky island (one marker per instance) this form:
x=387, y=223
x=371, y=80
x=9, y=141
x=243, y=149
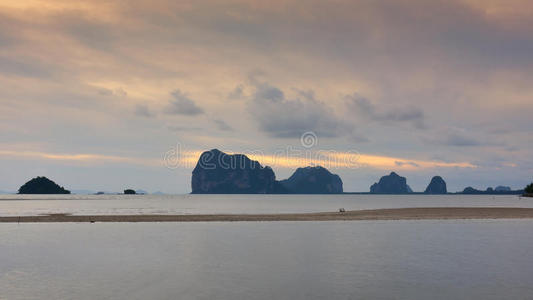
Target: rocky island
x=217, y=172
x=436, y=186
x=490, y=191
x=313, y=180
x=42, y=185
x=391, y=184
x=502, y=188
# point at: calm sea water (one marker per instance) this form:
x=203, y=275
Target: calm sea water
x=271, y=260
x=19, y=205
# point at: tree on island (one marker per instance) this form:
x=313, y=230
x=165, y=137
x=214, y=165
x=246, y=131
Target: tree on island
x=129, y=192
x=529, y=189
x=42, y=185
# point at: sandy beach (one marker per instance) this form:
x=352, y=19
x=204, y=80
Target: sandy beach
x=421, y=213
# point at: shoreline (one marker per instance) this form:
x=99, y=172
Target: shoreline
x=418, y=213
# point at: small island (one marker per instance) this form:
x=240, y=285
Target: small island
x=436, y=186
x=129, y=192
x=391, y=184
x=42, y=185
x=490, y=191
x=528, y=191
x=313, y=180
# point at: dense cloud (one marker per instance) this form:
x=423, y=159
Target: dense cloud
x=32, y=68
x=222, y=125
x=142, y=110
x=91, y=33
x=366, y=109
x=289, y=118
x=401, y=163
x=236, y=93
x=460, y=140
x=459, y=137
x=183, y=105
x=183, y=128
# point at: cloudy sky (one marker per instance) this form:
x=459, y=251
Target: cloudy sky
x=105, y=95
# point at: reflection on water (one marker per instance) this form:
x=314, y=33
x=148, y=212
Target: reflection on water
x=279, y=260
x=13, y=205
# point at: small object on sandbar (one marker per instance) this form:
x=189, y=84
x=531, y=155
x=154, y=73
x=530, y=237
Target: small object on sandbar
x=92, y=221
x=341, y=210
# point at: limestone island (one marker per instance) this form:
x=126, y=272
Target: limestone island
x=217, y=172
x=436, y=186
x=391, y=184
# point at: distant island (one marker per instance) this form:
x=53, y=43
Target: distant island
x=391, y=184
x=528, y=191
x=313, y=180
x=490, y=191
x=42, y=185
x=436, y=186
x=217, y=172
x=396, y=184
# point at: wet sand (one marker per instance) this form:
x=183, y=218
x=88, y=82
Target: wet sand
x=419, y=213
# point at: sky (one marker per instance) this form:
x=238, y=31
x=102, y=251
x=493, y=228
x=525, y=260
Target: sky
x=108, y=95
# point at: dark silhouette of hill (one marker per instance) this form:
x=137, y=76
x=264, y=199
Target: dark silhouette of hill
x=502, y=188
x=313, y=180
x=219, y=173
x=391, y=184
x=42, y=185
x=129, y=192
x=436, y=186
x=528, y=191
x=489, y=191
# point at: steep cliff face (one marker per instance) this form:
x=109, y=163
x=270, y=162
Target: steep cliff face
x=313, y=180
x=436, y=186
x=391, y=184
x=219, y=173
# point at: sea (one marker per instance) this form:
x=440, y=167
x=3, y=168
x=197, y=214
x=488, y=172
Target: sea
x=29, y=205
x=409, y=259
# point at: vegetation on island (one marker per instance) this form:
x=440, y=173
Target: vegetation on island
x=129, y=192
x=42, y=185
x=528, y=191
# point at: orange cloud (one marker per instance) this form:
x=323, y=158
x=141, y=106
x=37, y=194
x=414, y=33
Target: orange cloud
x=187, y=159
x=327, y=159
x=79, y=158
